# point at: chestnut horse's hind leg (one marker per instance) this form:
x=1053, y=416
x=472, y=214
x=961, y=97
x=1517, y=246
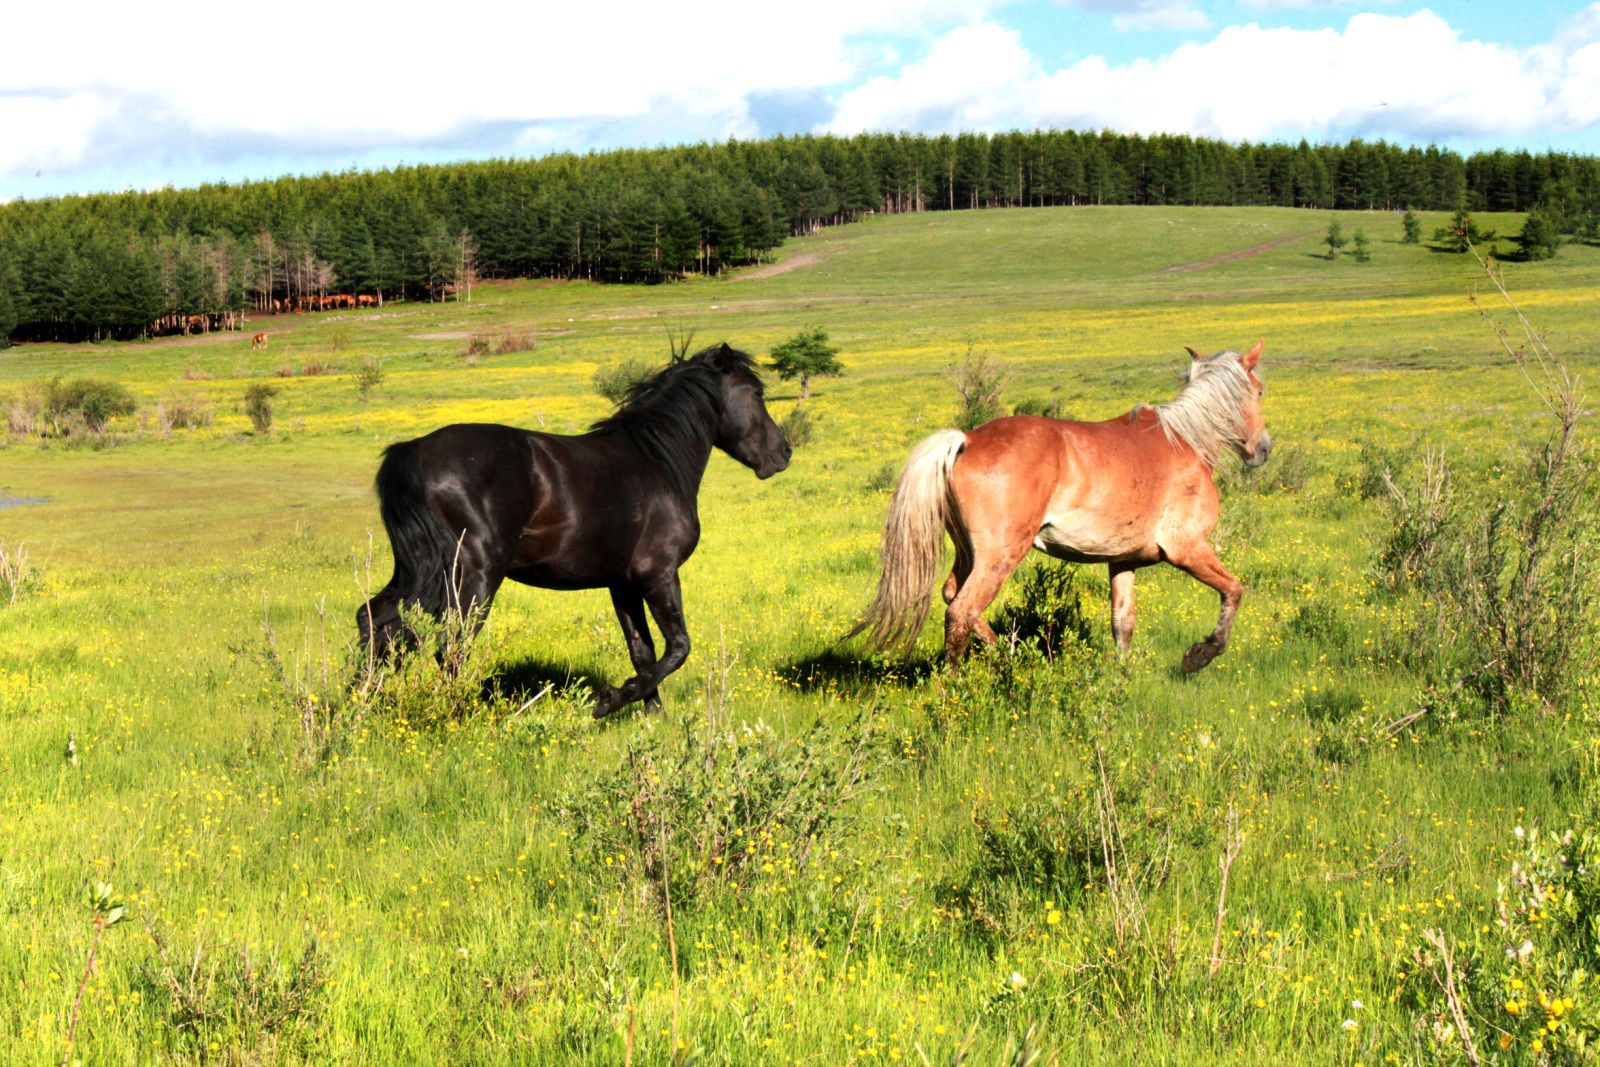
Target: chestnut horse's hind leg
x=1201, y=561
x=991, y=565
x=629, y=605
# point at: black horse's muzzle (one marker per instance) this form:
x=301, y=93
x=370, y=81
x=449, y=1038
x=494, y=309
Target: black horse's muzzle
x=776, y=463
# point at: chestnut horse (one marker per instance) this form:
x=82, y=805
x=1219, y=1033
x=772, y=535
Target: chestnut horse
x=1127, y=492
x=258, y=341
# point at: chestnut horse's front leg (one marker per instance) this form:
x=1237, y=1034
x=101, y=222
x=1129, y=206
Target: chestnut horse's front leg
x=1122, y=605
x=1201, y=561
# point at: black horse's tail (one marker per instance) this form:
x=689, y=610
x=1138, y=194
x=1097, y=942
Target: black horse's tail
x=424, y=550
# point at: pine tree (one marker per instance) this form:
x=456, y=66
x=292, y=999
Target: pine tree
x=1461, y=232
x=1539, y=238
x=1335, y=238
x=1412, y=227
x=1359, y=247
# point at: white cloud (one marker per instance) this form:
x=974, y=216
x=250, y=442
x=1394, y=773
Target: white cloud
x=1147, y=14
x=1412, y=77
x=304, y=73
x=45, y=131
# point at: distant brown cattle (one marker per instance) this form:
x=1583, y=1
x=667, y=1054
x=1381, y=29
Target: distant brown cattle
x=258, y=341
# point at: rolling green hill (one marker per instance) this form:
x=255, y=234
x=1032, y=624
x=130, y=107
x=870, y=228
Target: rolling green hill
x=913, y=860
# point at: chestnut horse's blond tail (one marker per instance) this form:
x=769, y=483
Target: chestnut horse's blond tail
x=913, y=542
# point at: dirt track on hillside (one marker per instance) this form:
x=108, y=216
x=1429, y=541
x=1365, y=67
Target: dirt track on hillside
x=1243, y=253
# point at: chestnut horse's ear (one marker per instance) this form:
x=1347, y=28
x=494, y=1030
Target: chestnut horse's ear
x=1249, y=360
x=1192, y=353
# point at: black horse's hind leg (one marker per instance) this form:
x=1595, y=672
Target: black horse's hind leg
x=665, y=598
x=629, y=604
x=379, y=623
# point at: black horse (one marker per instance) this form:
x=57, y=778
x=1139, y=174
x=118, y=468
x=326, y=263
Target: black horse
x=471, y=505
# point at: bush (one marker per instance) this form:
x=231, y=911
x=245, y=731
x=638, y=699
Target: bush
x=1047, y=407
x=1045, y=609
x=726, y=804
x=183, y=413
x=1525, y=984
x=513, y=341
x=797, y=426
x=93, y=400
x=979, y=382
x=883, y=479
x=613, y=382
x=258, y=405
x=1505, y=570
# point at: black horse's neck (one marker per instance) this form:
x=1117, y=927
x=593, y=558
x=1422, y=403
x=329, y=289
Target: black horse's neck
x=673, y=419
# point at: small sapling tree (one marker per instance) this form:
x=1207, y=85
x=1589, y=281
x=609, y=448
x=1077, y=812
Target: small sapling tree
x=1411, y=229
x=1461, y=233
x=1360, y=247
x=1334, y=239
x=1539, y=238
x=806, y=355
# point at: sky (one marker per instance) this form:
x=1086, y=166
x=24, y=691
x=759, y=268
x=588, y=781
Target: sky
x=97, y=97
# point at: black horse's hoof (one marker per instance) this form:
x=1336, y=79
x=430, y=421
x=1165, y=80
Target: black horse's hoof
x=607, y=698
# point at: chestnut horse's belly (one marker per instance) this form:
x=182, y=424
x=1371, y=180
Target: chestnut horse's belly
x=1082, y=538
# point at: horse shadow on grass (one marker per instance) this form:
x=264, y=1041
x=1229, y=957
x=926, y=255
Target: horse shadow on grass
x=529, y=677
x=835, y=670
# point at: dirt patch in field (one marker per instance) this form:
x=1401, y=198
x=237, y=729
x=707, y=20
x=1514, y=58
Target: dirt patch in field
x=19, y=501
x=1243, y=253
x=771, y=270
x=447, y=335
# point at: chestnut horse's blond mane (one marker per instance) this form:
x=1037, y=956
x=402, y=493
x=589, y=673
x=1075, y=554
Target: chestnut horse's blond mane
x=1205, y=414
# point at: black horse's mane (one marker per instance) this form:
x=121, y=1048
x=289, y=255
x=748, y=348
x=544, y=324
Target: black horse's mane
x=674, y=412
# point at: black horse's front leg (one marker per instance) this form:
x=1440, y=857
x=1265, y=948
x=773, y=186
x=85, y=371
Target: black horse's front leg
x=629, y=605
x=665, y=599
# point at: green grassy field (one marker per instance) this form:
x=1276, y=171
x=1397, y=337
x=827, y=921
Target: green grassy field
x=487, y=890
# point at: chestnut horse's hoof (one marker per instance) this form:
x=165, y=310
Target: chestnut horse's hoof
x=1200, y=654
x=607, y=698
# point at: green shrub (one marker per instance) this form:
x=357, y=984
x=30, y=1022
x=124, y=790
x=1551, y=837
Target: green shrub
x=93, y=400
x=258, y=405
x=1049, y=407
x=978, y=381
x=613, y=382
x=725, y=803
x=1526, y=982
x=798, y=426
x=1045, y=608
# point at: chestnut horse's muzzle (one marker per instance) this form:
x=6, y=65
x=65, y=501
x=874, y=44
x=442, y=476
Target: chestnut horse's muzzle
x=1263, y=449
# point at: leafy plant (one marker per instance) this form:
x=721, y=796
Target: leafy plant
x=613, y=382
x=978, y=381
x=258, y=405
